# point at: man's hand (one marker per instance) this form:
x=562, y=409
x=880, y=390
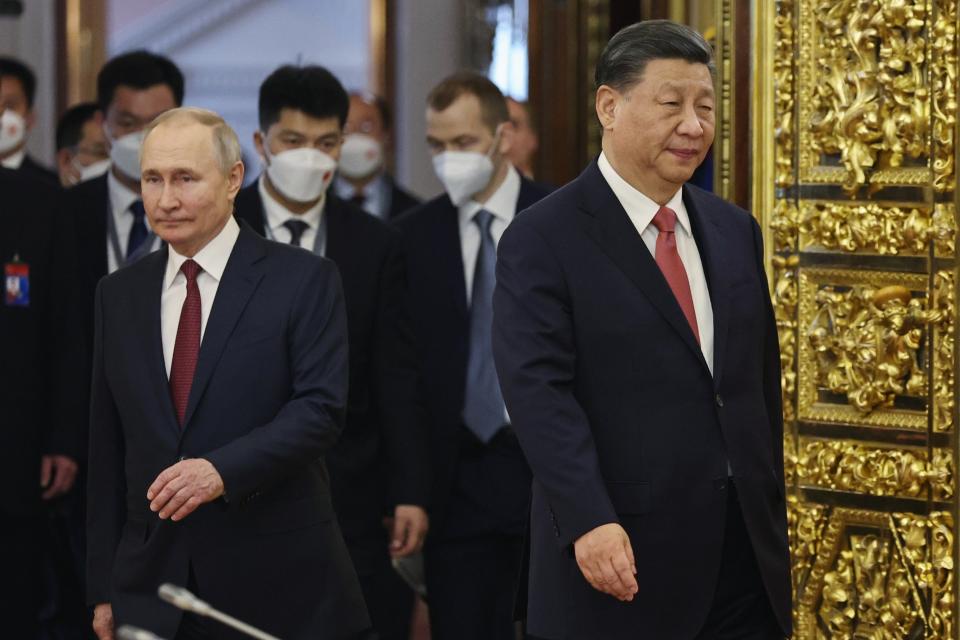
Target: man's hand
x=180, y=489
x=103, y=621
x=57, y=474
x=605, y=558
x=408, y=528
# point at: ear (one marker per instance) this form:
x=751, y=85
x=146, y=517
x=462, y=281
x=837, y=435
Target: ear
x=507, y=137
x=259, y=143
x=607, y=101
x=64, y=159
x=235, y=180
x=31, y=119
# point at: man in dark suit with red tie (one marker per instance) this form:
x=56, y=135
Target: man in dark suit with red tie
x=638, y=357
x=219, y=384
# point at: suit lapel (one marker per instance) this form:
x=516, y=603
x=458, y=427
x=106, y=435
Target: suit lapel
x=449, y=255
x=709, y=237
x=337, y=221
x=149, y=312
x=240, y=280
x=618, y=238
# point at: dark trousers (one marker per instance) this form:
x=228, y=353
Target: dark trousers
x=471, y=587
x=741, y=609
x=389, y=602
x=20, y=558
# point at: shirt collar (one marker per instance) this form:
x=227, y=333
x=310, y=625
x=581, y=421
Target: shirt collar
x=277, y=214
x=14, y=160
x=212, y=258
x=638, y=205
x=121, y=197
x=502, y=204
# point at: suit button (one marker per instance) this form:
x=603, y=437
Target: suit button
x=719, y=400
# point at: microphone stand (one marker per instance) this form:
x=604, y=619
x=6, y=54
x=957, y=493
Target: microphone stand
x=186, y=601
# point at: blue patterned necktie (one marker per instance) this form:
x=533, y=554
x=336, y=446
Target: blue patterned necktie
x=138, y=232
x=483, y=411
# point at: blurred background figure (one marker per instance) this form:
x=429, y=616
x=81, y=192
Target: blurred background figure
x=82, y=151
x=525, y=140
x=18, y=87
x=362, y=177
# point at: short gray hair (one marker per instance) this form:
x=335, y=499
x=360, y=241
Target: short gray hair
x=226, y=146
x=625, y=57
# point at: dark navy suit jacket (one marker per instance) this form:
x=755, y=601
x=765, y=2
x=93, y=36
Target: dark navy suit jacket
x=619, y=415
x=266, y=404
x=441, y=322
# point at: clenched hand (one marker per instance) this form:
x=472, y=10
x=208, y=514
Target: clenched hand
x=605, y=558
x=180, y=489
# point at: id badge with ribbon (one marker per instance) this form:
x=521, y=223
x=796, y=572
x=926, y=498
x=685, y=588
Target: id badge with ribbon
x=16, y=283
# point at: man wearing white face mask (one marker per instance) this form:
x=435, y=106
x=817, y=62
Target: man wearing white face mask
x=481, y=481
x=82, y=152
x=112, y=230
x=18, y=87
x=378, y=468
x=362, y=177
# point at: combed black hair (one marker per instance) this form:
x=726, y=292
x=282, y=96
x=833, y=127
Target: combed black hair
x=140, y=70
x=625, y=57
x=310, y=89
x=70, y=126
x=14, y=68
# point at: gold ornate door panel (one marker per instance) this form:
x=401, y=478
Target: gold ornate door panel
x=854, y=181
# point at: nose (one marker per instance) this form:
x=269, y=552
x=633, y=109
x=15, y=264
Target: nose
x=168, y=200
x=690, y=125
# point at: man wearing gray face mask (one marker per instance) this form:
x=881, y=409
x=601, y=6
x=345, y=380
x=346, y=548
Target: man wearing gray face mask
x=481, y=481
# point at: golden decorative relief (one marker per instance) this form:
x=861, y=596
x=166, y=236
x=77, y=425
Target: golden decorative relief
x=860, y=338
x=789, y=458
x=785, y=297
x=865, y=103
x=873, y=227
x=783, y=82
x=805, y=524
x=785, y=226
x=872, y=575
x=944, y=358
x=943, y=79
x=904, y=472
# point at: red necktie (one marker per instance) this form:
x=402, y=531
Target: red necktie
x=669, y=262
x=187, y=347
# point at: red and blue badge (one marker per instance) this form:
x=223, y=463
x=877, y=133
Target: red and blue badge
x=16, y=279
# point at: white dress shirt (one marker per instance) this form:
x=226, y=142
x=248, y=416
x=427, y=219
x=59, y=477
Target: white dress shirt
x=277, y=214
x=212, y=259
x=121, y=197
x=376, y=194
x=14, y=160
x=503, y=205
x=641, y=211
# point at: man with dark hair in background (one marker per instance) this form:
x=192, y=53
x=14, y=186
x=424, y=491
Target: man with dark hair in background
x=362, y=177
x=18, y=88
x=639, y=357
x=378, y=469
x=526, y=141
x=481, y=481
x=112, y=229
x=82, y=152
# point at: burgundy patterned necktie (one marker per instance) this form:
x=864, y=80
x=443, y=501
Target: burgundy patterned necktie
x=187, y=347
x=668, y=259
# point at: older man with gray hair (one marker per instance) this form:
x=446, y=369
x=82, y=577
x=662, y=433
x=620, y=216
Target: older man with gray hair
x=220, y=379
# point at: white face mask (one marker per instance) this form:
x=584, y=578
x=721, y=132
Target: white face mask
x=13, y=129
x=360, y=156
x=301, y=175
x=91, y=171
x=125, y=153
x=465, y=173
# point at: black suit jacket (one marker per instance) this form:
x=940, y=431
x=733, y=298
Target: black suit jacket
x=42, y=363
x=401, y=200
x=620, y=417
x=266, y=405
x=37, y=171
x=88, y=203
x=381, y=459
x=441, y=323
